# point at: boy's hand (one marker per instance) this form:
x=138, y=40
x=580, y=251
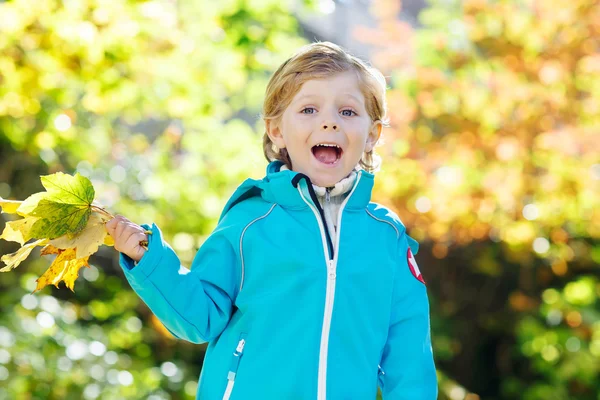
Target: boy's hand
x=128, y=237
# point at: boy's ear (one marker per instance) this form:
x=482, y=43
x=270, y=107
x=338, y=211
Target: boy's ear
x=274, y=132
x=374, y=134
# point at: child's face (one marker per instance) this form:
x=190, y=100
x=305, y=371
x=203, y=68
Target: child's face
x=329, y=111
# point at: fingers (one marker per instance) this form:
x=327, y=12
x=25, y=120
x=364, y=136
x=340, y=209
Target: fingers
x=133, y=244
x=127, y=236
x=111, y=225
x=118, y=224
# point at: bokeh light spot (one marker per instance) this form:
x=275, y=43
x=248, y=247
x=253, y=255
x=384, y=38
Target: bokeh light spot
x=111, y=358
x=190, y=388
x=423, y=204
x=77, y=350
x=125, y=378
x=550, y=353
x=134, y=324
x=531, y=212
x=4, y=356
x=46, y=320
x=91, y=391
x=91, y=274
x=574, y=319
x=97, y=348
x=3, y=373
x=168, y=369
x=541, y=245
x=554, y=317
x=118, y=174
x=550, y=296
x=29, y=301
x=62, y=122
x=573, y=344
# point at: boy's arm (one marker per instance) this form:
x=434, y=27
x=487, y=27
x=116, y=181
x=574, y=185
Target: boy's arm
x=195, y=304
x=407, y=360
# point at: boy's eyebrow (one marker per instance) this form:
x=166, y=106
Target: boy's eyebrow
x=310, y=96
x=358, y=100
x=307, y=96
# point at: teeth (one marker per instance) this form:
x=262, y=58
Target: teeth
x=328, y=145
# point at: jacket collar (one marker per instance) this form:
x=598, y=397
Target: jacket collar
x=343, y=186
x=278, y=187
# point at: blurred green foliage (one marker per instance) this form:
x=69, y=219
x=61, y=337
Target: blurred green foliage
x=157, y=102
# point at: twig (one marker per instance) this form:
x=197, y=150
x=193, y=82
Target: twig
x=143, y=243
x=102, y=211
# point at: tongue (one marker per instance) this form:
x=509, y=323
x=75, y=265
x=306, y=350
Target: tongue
x=325, y=154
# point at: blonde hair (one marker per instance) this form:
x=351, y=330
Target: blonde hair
x=316, y=61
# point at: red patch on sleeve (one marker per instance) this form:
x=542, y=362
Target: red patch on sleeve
x=414, y=268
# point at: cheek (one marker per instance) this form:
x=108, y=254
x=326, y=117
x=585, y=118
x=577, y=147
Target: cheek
x=297, y=131
x=359, y=135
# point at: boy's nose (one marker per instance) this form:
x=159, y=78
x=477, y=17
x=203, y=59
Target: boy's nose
x=329, y=124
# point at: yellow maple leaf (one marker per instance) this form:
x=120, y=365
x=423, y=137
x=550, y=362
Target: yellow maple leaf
x=73, y=272
x=109, y=241
x=49, y=249
x=88, y=240
x=12, y=234
x=9, y=206
x=65, y=267
x=18, y=231
x=14, y=259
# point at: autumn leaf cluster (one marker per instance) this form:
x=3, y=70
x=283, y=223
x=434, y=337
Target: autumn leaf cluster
x=64, y=220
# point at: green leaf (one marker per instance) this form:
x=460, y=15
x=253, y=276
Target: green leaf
x=57, y=219
x=66, y=206
x=68, y=188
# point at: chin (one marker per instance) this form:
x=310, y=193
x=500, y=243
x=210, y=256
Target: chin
x=324, y=184
x=328, y=180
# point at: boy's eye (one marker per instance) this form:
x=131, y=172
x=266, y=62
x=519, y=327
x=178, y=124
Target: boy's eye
x=348, y=113
x=308, y=110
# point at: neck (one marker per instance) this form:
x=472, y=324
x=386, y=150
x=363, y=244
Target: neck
x=340, y=188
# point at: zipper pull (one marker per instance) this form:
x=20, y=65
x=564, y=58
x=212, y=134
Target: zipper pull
x=240, y=347
x=332, y=274
x=328, y=194
x=235, y=360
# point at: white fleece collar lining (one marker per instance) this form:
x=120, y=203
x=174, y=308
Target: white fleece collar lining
x=340, y=188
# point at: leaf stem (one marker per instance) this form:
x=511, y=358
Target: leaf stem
x=102, y=211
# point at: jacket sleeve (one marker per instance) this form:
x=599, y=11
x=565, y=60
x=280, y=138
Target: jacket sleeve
x=407, y=365
x=195, y=304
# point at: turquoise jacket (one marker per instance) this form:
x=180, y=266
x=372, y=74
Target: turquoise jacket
x=291, y=312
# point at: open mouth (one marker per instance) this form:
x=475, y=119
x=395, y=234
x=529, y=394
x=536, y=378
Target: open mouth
x=327, y=153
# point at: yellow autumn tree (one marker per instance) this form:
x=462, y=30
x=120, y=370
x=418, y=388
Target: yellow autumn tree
x=493, y=163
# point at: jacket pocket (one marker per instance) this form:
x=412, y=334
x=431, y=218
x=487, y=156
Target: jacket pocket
x=380, y=375
x=233, y=367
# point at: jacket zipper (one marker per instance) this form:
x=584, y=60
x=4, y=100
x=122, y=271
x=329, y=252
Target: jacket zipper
x=233, y=368
x=330, y=291
x=380, y=376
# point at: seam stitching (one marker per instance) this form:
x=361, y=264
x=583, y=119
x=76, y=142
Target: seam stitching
x=387, y=222
x=242, y=238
